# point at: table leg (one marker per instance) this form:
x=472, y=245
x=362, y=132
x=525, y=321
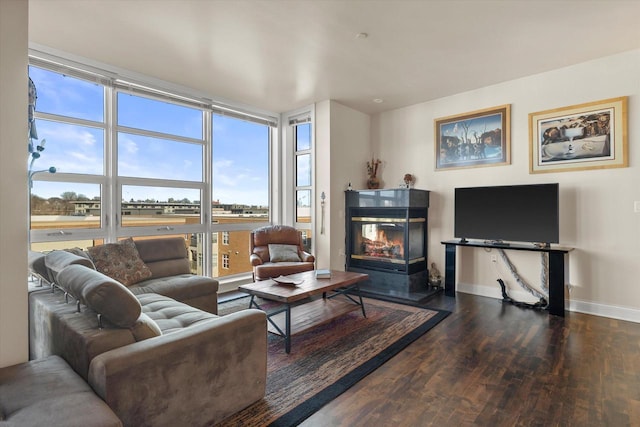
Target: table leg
x=450, y=270
x=360, y=297
x=556, y=283
x=287, y=328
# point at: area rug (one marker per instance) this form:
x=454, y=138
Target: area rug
x=328, y=359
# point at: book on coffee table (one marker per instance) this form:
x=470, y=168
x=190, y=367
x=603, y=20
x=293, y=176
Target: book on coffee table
x=323, y=274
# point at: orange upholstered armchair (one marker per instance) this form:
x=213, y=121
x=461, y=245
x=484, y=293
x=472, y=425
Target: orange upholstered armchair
x=276, y=250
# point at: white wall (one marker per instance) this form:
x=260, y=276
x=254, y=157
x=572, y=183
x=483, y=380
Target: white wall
x=322, y=169
x=13, y=182
x=342, y=148
x=350, y=139
x=596, y=206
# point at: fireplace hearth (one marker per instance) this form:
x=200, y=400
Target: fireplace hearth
x=387, y=239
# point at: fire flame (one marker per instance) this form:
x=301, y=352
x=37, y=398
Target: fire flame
x=383, y=246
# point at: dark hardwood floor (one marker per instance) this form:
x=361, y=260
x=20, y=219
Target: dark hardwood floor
x=493, y=364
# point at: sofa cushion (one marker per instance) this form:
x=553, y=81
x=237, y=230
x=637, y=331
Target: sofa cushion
x=120, y=261
x=171, y=315
x=145, y=328
x=183, y=287
x=161, y=249
x=48, y=392
x=167, y=256
x=57, y=260
x=102, y=294
x=283, y=253
x=38, y=267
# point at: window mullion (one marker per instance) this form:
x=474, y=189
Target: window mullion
x=39, y=115
x=161, y=135
x=206, y=205
x=111, y=202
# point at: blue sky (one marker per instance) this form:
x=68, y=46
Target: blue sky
x=240, y=148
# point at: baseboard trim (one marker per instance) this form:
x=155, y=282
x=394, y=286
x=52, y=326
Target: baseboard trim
x=578, y=306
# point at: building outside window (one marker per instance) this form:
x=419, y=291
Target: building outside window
x=225, y=237
x=225, y=261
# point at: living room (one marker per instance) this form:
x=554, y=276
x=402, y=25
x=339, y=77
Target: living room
x=598, y=217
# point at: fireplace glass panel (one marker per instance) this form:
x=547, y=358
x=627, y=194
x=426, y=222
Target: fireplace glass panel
x=379, y=241
x=383, y=239
x=416, y=240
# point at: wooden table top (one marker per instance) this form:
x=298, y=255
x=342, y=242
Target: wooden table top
x=310, y=286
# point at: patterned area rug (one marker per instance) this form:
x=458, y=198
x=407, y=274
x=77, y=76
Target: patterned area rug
x=328, y=359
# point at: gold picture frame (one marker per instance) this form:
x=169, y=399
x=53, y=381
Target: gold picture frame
x=474, y=139
x=579, y=137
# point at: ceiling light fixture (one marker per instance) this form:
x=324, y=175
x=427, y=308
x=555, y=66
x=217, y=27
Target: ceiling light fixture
x=362, y=35
x=378, y=101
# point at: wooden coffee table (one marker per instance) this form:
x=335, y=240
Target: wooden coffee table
x=300, y=311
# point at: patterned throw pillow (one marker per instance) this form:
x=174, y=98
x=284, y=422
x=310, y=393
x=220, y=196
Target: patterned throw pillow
x=283, y=253
x=120, y=261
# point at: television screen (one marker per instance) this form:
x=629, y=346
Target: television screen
x=519, y=213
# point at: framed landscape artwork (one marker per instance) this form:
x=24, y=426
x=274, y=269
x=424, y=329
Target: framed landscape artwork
x=579, y=137
x=478, y=138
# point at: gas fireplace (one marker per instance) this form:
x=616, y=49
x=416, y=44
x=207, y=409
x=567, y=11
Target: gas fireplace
x=387, y=239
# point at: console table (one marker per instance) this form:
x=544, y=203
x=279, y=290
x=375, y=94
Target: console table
x=556, y=268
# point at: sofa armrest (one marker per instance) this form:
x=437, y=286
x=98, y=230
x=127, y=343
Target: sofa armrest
x=306, y=257
x=255, y=259
x=196, y=376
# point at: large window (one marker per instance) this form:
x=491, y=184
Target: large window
x=240, y=187
x=302, y=141
x=132, y=160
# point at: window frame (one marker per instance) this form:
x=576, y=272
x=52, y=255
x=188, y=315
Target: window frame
x=290, y=121
x=115, y=81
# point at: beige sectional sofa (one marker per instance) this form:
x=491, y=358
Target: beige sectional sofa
x=155, y=351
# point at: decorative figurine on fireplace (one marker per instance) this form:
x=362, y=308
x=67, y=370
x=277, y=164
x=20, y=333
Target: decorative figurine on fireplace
x=372, y=170
x=407, y=181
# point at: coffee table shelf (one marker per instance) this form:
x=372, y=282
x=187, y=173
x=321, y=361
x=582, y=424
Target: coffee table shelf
x=315, y=313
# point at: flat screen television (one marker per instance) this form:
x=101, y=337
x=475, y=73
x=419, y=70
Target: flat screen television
x=518, y=213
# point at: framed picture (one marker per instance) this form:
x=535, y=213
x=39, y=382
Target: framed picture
x=478, y=138
x=579, y=137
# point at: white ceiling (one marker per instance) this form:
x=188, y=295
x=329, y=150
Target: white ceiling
x=279, y=55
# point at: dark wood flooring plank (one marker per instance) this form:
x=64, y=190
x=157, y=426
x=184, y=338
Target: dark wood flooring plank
x=500, y=365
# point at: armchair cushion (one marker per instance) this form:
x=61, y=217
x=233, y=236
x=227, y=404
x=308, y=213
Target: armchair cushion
x=283, y=253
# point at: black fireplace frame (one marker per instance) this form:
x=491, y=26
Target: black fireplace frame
x=406, y=283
